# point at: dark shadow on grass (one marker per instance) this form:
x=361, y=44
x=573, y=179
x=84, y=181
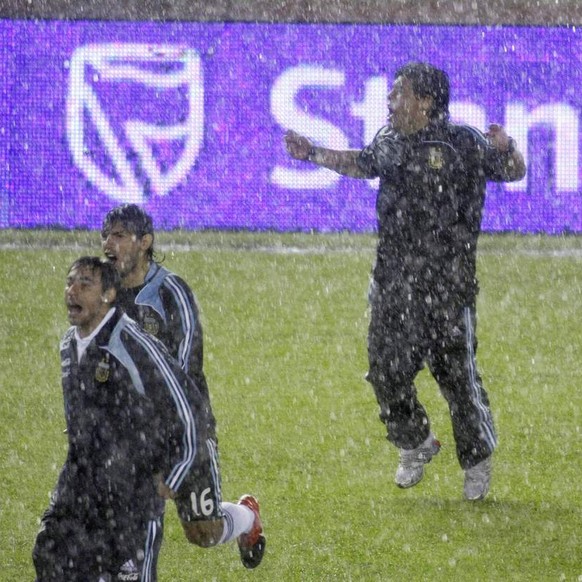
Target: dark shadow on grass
x=492, y=504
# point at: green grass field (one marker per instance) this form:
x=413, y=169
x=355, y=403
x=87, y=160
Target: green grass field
x=285, y=333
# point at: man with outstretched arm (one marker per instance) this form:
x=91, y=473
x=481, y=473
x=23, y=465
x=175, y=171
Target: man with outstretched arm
x=423, y=292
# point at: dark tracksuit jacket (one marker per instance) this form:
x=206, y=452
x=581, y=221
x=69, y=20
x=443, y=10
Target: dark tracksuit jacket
x=424, y=285
x=131, y=412
x=166, y=308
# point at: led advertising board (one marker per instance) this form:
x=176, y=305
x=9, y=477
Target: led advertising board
x=188, y=119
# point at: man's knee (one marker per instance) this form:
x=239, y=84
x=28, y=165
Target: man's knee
x=203, y=533
x=375, y=377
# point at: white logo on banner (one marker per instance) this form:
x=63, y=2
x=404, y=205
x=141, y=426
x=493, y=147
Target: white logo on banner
x=129, y=146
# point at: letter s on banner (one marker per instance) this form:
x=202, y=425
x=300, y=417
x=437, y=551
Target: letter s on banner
x=288, y=115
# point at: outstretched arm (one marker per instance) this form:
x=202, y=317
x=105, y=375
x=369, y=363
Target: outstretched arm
x=342, y=162
x=514, y=168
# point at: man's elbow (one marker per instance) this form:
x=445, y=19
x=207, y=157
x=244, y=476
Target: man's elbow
x=519, y=173
x=515, y=169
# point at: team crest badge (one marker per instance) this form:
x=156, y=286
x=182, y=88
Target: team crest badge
x=102, y=371
x=151, y=325
x=435, y=158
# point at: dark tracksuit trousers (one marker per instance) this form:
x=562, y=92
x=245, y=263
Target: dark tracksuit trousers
x=410, y=327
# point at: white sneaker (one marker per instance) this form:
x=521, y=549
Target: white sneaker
x=477, y=480
x=412, y=461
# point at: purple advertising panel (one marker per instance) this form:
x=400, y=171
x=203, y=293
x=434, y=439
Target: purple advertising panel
x=188, y=119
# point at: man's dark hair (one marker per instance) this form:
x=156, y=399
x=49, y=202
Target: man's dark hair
x=109, y=276
x=134, y=219
x=428, y=81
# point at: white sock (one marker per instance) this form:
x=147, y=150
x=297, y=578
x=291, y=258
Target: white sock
x=238, y=519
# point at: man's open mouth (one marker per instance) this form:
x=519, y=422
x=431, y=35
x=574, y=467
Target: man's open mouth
x=74, y=308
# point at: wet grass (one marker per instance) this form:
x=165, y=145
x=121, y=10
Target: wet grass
x=285, y=324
